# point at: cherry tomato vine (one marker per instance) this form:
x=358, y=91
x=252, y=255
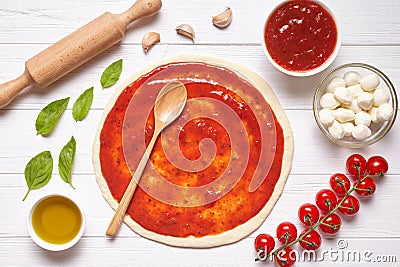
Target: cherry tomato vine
x=328, y=201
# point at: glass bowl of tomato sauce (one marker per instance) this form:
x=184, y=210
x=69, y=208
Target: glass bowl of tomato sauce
x=301, y=37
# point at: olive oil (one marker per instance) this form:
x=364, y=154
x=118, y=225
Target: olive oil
x=56, y=220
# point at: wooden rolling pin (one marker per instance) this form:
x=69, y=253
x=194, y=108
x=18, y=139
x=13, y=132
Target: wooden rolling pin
x=76, y=48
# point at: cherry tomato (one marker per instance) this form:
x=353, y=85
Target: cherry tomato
x=340, y=183
x=366, y=188
x=350, y=206
x=286, y=232
x=308, y=214
x=312, y=241
x=286, y=257
x=331, y=225
x=326, y=200
x=354, y=162
x=264, y=243
x=377, y=165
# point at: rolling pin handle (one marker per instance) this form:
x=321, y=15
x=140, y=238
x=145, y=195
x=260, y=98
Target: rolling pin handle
x=11, y=89
x=140, y=9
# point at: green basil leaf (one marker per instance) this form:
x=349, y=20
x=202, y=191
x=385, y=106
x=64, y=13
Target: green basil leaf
x=49, y=116
x=38, y=171
x=111, y=74
x=82, y=105
x=66, y=160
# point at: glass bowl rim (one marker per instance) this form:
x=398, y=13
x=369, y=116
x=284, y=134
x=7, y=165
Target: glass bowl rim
x=387, y=127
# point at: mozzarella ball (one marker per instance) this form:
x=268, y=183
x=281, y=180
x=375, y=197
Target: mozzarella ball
x=326, y=116
x=328, y=101
x=380, y=97
x=370, y=82
x=336, y=130
x=344, y=114
x=343, y=95
x=362, y=117
x=334, y=83
x=352, y=78
x=365, y=100
x=347, y=128
x=361, y=132
x=385, y=111
x=355, y=90
x=353, y=106
x=375, y=116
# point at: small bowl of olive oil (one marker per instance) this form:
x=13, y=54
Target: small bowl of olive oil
x=56, y=222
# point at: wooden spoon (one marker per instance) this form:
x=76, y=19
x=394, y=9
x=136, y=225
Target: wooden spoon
x=169, y=105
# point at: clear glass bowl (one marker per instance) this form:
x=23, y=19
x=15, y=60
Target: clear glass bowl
x=379, y=130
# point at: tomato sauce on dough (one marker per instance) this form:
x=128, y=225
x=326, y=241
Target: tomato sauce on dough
x=300, y=35
x=200, y=127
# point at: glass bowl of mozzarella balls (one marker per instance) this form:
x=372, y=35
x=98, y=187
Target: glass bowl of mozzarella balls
x=355, y=105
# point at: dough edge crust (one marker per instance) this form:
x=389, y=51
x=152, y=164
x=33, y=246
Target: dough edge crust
x=242, y=230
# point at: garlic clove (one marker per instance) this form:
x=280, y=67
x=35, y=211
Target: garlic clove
x=149, y=39
x=186, y=30
x=224, y=19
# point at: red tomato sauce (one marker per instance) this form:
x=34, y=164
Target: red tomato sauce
x=300, y=35
x=236, y=206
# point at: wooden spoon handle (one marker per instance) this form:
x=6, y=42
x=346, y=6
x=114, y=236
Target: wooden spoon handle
x=130, y=190
x=12, y=88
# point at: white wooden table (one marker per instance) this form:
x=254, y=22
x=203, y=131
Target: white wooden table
x=370, y=34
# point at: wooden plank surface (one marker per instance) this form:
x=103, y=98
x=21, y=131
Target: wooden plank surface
x=317, y=149
x=46, y=21
x=370, y=34
x=293, y=93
